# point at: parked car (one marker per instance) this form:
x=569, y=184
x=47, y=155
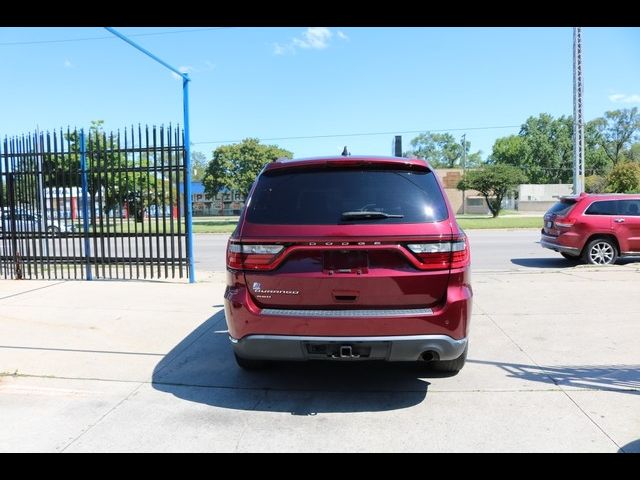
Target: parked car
x=597, y=229
x=348, y=259
x=32, y=222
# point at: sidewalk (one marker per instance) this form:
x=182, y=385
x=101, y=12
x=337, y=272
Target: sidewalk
x=553, y=366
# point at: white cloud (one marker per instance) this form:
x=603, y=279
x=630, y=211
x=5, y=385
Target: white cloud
x=279, y=49
x=67, y=63
x=313, y=38
x=624, y=98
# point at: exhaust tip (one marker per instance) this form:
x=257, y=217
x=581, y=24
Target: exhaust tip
x=429, y=356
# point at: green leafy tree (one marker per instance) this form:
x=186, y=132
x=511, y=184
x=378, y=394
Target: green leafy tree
x=619, y=131
x=198, y=166
x=544, y=149
x=511, y=150
x=494, y=182
x=442, y=150
x=549, y=148
x=633, y=153
x=236, y=166
x=624, y=178
x=115, y=177
x=596, y=160
x=595, y=184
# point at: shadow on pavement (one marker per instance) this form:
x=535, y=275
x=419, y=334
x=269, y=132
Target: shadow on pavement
x=559, y=262
x=201, y=369
x=617, y=378
x=633, y=447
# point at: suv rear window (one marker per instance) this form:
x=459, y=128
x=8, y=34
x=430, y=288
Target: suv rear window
x=563, y=207
x=321, y=196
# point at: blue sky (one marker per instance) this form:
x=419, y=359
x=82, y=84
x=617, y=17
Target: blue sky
x=300, y=82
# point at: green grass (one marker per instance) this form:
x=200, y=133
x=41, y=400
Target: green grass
x=228, y=224
x=214, y=224
x=500, y=222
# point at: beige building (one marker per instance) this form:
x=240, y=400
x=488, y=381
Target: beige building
x=475, y=202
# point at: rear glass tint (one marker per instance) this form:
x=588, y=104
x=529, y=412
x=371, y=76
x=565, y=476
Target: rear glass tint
x=629, y=208
x=321, y=196
x=562, y=207
x=605, y=207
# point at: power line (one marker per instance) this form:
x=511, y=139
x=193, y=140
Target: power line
x=38, y=42
x=361, y=134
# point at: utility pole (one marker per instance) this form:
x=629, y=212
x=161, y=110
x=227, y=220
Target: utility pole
x=464, y=169
x=578, y=114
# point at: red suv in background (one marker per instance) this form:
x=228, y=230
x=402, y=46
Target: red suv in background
x=596, y=228
x=348, y=258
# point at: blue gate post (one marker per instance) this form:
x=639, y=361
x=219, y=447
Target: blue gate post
x=188, y=218
x=85, y=204
x=187, y=147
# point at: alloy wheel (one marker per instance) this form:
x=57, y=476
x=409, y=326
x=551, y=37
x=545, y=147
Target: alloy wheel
x=601, y=253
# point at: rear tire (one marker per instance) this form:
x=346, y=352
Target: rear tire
x=450, y=366
x=250, y=363
x=601, y=251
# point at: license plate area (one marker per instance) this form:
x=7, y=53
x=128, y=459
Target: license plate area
x=346, y=261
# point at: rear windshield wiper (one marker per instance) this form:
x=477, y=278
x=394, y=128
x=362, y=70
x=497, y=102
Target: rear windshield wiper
x=368, y=214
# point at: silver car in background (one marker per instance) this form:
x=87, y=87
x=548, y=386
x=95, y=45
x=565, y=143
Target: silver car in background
x=33, y=222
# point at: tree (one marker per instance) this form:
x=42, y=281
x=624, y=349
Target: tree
x=624, y=178
x=115, y=177
x=549, y=148
x=633, y=153
x=442, y=150
x=596, y=161
x=494, y=182
x=198, y=166
x=595, y=184
x=511, y=150
x=619, y=131
x=236, y=166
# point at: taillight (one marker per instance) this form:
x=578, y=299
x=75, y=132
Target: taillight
x=460, y=254
x=441, y=255
x=242, y=256
x=565, y=223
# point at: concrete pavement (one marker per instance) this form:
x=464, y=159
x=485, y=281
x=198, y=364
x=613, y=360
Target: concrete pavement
x=145, y=366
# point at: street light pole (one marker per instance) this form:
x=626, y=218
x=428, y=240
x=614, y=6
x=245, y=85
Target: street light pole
x=188, y=220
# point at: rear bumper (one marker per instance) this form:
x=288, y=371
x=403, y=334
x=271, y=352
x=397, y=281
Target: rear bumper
x=450, y=318
x=552, y=243
x=407, y=348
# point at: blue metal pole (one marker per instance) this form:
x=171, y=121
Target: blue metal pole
x=187, y=194
x=85, y=204
x=187, y=148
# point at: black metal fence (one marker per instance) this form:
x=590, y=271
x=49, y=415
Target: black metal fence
x=76, y=205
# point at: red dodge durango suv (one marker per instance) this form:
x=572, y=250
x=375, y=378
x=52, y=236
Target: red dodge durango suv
x=348, y=258
x=595, y=228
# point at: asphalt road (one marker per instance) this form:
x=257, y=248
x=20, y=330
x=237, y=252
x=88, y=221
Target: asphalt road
x=490, y=250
